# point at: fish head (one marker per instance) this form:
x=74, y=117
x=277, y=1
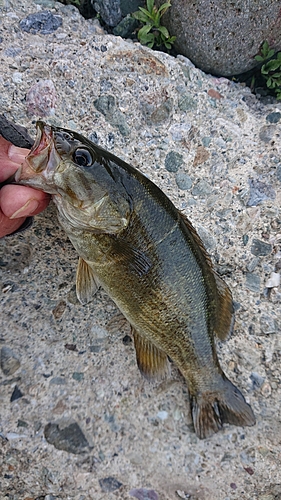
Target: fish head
x=68, y=166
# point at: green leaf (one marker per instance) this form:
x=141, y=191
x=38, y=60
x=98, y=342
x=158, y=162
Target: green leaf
x=164, y=7
x=164, y=31
x=259, y=58
x=264, y=71
x=149, y=4
x=265, y=48
x=269, y=82
x=144, y=30
x=140, y=17
x=147, y=13
x=279, y=55
x=270, y=53
x=273, y=64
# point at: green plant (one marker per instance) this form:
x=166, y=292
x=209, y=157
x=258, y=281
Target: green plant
x=271, y=70
x=152, y=33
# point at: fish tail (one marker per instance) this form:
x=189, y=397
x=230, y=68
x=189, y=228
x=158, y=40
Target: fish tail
x=211, y=410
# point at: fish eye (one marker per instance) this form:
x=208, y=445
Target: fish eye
x=66, y=136
x=82, y=157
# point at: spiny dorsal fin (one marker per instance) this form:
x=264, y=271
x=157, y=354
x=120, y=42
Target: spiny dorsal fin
x=223, y=317
x=86, y=283
x=196, y=239
x=152, y=362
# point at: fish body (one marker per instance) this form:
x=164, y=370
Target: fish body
x=133, y=242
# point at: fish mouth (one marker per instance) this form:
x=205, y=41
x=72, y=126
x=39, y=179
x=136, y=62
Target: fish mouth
x=38, y=169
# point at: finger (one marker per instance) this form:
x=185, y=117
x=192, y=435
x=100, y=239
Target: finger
x=8, y=226
x=21, y=201
x=11, y=157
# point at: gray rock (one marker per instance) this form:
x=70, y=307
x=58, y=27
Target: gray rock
x=267, y=324
x=215, y=34
x=278, y=172
x=253, y=282
x=128, y=6
x=202, y=188
x=257, y=380
x=187, y=103
x=44, y=22
x=259, y=192
x=9, y=361
x=16, y=394
x=273, y=117
x=109, y=484
x=162, y=112
x=260, y=248
x=109, y=11
x=183, y=181
x=57, y=381
x=126, y=27
x=173, y=161
x=253, y=264
x=143, y=494
x=267, y=132
x=70, y=438
x=107, y=106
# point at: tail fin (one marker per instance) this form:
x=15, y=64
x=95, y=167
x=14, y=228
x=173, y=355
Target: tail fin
x=211, y=410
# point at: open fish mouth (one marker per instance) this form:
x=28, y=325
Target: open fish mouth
x=39, y=166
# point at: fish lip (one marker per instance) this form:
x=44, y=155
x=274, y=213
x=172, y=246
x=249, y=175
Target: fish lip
x=39, y=166
x=43, y=140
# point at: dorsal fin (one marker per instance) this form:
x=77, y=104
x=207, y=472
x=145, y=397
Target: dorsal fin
x=152, y=362
x=86, y=282
x=224, y=317
x=223, y=313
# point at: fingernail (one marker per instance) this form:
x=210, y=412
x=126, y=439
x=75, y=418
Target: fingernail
x=29, y=208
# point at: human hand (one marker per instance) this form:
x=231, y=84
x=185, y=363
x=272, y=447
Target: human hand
x=16, y=202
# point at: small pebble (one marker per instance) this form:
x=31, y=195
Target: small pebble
x=78, y=376
x=267, y=132
x=202, y=188
x=260, y=248
x=273, y=281
x=183, y=181
x=162, y=415
x=41, y=98
x=70, y=438
x=273, y=117
x=266, y=389
x=9, y=361
x=143, y=494
x=173, y=161
x=259, y=192
x=109, y=484
x=267, y=324
x=253, y=282
x=16, y=394
x=43, y=22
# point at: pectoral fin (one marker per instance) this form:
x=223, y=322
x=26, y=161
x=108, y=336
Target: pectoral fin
x=152, y=362
x=86, y=283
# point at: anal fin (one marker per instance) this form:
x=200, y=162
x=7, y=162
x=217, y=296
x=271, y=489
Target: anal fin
x=152, y=362
x=86, y=282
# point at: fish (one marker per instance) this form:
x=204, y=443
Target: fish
x=133, y=242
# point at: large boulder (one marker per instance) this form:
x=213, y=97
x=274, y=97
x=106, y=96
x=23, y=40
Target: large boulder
x=221, y=36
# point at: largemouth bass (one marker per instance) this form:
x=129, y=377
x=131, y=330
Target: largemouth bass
x=133, y=242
